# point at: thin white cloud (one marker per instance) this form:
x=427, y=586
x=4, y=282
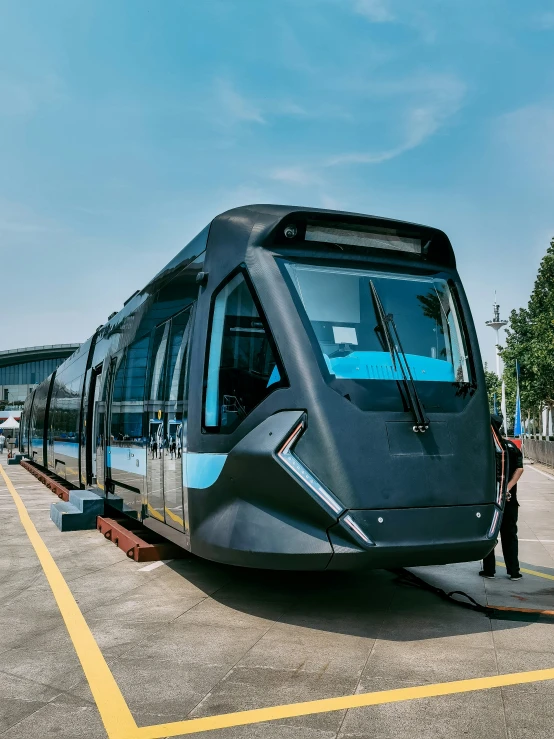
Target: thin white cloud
x=544, y=21
x=421, y=124
x=526, y=137
x=409, y=13
x=17, y=221
x=438, y=99
x=15, y=99
x=25, y=97
x=432, y=101
x=330, y=202
x=234, y=106
x=295, y=176
x=290, y=108
x=376, y=11
x=318, y=111
x=20, y=227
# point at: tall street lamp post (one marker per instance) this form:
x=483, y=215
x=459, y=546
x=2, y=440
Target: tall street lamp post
x=497, y=323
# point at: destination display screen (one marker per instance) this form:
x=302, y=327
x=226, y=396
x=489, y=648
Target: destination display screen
x=361, y=237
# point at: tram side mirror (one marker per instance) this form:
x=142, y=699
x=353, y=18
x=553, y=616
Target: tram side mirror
x=202, y=278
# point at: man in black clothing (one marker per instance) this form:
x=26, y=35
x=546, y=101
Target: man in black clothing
x=508, y=528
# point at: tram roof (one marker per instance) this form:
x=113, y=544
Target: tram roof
x=249, y=215
x=280, y=211
x=258, y=224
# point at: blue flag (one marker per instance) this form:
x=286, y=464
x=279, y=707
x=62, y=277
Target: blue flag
x=517, y=421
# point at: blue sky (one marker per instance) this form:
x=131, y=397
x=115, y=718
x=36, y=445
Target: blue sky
x=126, y=126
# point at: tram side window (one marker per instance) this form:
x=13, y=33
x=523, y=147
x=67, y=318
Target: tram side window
x=116, y=421
x=177, y=362
x=65, y=408
x=166, y=400
x=242, y=368
x=128, y=395
x=158, y=361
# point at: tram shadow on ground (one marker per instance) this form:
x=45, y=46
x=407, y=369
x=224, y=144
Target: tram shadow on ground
x=369, y=604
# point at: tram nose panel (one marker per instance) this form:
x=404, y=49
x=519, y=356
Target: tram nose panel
x=371, y=462
x=402, y=440
x=433, y=525
x=421, y=536
x=412, y=500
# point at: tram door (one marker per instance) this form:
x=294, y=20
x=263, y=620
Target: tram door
x=173, y=475
x=166, y=421
x=155, y=469
x=51, y=425
x=50, y=463
x=100, y=423
x=156, y=412
x=91, y=426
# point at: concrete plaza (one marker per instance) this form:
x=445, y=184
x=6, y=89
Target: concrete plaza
x=189, y=638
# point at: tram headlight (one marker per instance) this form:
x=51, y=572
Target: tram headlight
x=500, y=456
x=315, y=487
x=299, y=470
x=492, y=529
x=353, y=526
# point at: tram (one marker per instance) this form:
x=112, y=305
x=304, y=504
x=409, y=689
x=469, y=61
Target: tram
x=296, y=389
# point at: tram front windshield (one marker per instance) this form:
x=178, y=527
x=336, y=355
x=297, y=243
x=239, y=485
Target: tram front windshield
x=343, y=314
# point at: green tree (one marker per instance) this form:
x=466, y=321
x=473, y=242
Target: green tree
x=493, y=384
x=530, y=341
x=541, y=310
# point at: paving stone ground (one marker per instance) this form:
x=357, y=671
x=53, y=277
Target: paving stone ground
x=192, y=638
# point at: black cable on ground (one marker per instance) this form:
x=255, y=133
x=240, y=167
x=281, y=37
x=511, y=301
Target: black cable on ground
x=405, y=577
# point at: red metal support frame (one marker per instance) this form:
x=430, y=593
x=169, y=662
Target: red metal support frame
x=152, y=548
x=47, y=479
x=134, y=546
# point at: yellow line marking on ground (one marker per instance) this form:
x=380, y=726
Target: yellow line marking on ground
x=115, y=713
x=117, y=718
x=227, y=720
x=530, y=572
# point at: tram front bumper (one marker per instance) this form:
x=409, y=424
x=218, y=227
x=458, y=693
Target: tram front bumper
x=409, y=537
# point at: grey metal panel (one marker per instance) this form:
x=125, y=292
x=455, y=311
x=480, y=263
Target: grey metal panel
x=256, y=514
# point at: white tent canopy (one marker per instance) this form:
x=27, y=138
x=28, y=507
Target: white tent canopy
x=10, y=423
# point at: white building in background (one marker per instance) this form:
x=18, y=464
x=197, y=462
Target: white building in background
x=22, y=369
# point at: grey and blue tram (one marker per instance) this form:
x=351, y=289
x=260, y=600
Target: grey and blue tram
x=296, y=389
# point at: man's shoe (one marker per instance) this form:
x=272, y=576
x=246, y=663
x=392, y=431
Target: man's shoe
x=486, y=574
x=516, y=577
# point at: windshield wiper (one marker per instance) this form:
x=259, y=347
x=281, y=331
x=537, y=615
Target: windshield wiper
x=394, y=347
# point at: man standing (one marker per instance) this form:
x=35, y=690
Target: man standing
x=508, y=529
x=2, y=442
